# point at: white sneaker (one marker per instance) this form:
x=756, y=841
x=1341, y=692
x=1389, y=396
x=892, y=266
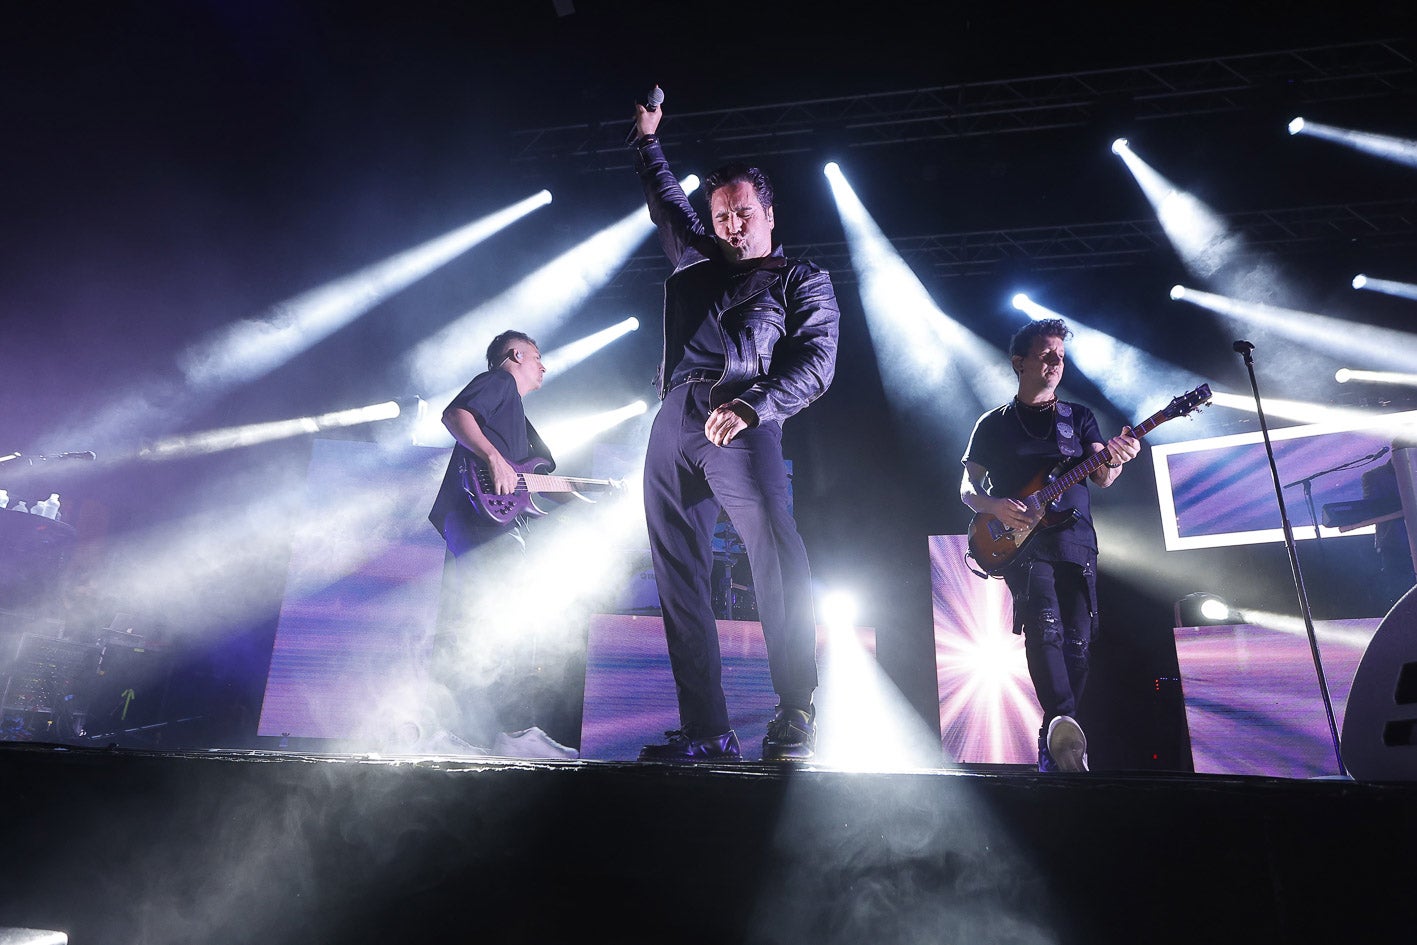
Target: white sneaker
x=1067, y=744
x=531, y=743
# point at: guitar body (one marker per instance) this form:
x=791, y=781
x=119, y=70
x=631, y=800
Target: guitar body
x=531, y=479
x=994, y=546
x=502, y=509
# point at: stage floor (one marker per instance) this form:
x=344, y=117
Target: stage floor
x=129, y=847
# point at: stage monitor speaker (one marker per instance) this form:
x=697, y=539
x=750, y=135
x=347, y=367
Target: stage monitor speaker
x=128, y=691
x=1379, y=741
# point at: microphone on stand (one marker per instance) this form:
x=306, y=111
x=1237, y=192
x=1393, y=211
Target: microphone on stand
x=653, y=100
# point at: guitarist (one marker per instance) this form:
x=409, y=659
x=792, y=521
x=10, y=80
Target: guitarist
x=485, y=669
x=1054, y=583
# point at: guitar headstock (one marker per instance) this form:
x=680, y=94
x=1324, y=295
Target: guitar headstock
x=1188, y=402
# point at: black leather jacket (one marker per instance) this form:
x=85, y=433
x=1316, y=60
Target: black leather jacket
x=779, y=320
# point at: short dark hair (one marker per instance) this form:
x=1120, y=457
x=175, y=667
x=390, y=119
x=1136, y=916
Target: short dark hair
x=1022, y=341
x=497, y=350
x=733, y=173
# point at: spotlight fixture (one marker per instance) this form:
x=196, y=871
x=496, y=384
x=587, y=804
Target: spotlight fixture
x=830, y=168
x=1178, y=292
x=1202, y=609
x=1343, y=375
x=1020, y=301
x=1359, y=281
x=1296, y=126
x=1119, y=146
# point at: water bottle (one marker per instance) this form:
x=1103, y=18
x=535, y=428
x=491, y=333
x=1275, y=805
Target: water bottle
x=47, y=508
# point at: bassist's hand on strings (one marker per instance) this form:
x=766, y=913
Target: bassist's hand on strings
x=504, y=477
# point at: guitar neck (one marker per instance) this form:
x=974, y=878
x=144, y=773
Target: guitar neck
x=1096, y=461
x=540, y=482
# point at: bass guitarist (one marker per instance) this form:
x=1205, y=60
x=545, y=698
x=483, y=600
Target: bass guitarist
x=1012, y=451
x=482, y=655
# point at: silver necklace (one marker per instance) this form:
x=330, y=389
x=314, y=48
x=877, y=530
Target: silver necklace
x=1045, y=410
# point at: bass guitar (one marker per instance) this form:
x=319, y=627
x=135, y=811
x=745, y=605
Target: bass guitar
x=994, y=546
x=503, y=509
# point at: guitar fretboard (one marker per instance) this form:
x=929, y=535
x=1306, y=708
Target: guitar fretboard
x=1054, y=490
x=540, y=482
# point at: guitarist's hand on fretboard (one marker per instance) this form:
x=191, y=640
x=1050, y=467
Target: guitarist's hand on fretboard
x=1120, y=450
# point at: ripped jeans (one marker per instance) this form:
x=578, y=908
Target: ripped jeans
x=1055, y=608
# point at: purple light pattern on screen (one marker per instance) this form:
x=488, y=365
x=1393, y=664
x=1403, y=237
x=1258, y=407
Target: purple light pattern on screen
x=351, y=642
x=988, y=713
x=1228, y=489
x=1253, y=705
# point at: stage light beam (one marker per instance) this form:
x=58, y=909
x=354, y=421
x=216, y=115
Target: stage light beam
x=1320, y=333
x=253, y=347
x=926, y=357
x=1198, y=234
x=1347, y=375
x=537, y=304
x=1402, y=290
x=1388, y=147
x=230, y=438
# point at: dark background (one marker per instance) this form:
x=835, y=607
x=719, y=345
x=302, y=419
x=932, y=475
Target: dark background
x=170, y=168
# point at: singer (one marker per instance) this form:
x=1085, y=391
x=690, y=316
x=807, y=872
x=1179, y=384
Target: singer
x=750, y=339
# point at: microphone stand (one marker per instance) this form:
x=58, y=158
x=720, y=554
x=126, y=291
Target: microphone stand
x=1244, y=348
x=1308, y=483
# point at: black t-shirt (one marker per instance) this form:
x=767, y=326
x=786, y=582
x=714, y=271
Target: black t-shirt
x=492, y=397
x=1018, y=444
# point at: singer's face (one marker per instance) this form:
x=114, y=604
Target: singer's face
x=741, y=224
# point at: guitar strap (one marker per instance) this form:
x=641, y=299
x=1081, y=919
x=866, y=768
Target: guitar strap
x=539, y=447
x=1066, y=432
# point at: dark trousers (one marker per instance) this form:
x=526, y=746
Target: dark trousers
x=686, y=479
x=1055, y=610
x=483, y=655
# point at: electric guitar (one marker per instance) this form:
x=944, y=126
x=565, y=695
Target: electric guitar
x=503, y=509
x=994, y=546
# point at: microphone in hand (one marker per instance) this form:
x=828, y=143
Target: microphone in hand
x=653, y=100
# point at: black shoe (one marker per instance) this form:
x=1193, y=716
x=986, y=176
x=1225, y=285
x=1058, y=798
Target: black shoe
x=683, y=749
x=792, y=735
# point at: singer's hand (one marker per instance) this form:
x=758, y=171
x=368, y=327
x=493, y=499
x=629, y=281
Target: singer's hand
x=728, y=421
x=646, y=121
